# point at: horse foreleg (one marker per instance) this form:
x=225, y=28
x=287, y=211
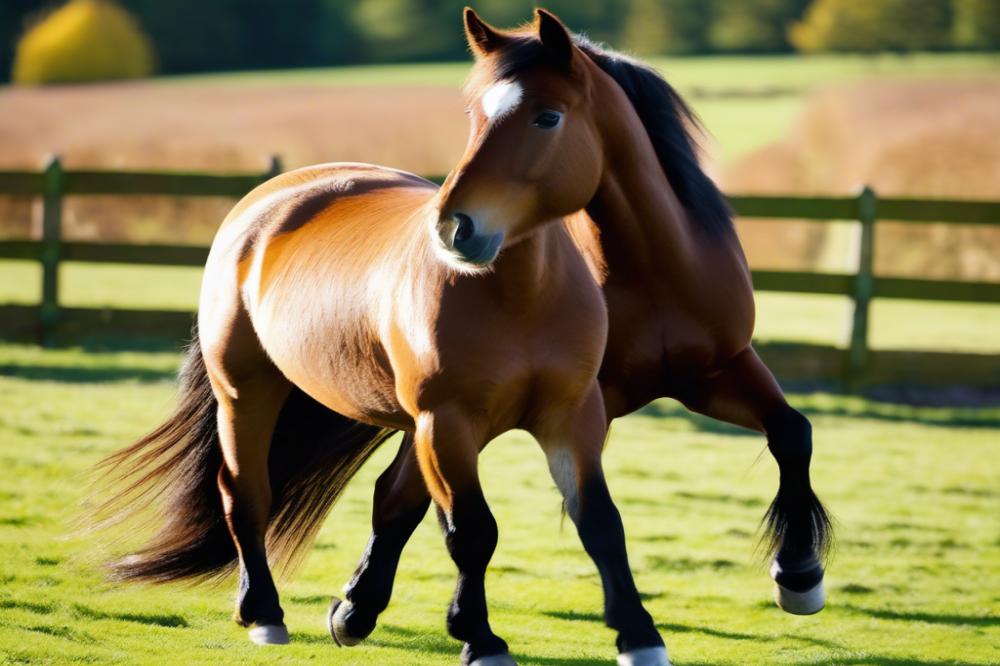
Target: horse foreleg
x=745, y=393
x=399, y=504
x=574, y=451
x=447, y=443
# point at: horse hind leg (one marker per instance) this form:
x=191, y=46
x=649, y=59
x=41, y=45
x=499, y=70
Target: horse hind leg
x=399, y=504
x=250, y=392
x=797, y=525
x=796, y=521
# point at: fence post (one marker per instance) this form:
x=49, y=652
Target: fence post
x=274, y=167
x=864, y=283
x=52, y=190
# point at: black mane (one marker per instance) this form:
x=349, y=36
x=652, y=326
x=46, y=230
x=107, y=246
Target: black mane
x=668, y=120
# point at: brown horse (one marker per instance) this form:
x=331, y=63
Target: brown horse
x=658, y=237
x=344, y=301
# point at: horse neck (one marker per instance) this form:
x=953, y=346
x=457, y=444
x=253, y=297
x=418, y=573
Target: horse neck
x=645, y=230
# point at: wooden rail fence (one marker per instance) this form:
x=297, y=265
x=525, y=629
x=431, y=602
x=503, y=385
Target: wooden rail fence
x=854, y=366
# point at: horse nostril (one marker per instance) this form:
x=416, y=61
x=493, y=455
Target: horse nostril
x=465, y=229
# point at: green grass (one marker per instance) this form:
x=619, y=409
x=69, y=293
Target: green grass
x=794, y=317
x=914, y=580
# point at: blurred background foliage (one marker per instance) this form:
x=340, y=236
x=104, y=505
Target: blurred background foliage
x=83, y=41
x=218, y=35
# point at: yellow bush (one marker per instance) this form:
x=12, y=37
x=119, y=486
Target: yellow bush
x=84, y=40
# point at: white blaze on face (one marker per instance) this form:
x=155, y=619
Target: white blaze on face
x=501, y=98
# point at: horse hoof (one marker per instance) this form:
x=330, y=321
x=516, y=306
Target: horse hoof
x=495, y=660
x=800, y=603
x=649, y=656
x=269, y=634
x=336, y=622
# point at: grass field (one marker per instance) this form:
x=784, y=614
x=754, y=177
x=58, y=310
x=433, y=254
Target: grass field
x=794, y=317
x=913, y=581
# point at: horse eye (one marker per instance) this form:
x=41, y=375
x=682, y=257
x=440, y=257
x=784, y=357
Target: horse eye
x=547, y=119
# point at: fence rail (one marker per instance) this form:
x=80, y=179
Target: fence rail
x=855, y=365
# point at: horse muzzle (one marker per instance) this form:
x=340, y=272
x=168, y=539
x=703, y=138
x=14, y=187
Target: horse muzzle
x=462, y=237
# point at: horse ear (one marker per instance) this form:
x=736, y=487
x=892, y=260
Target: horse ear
x=554, y=36
x=482, y=37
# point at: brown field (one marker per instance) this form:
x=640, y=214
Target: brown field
x=931, y=139
x=188, y=127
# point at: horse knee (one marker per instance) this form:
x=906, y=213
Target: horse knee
x=471, y=534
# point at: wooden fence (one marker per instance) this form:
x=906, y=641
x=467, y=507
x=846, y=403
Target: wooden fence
x=854, y=366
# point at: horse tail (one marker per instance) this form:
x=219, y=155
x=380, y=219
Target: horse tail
x=173, y=471
x=315, y=452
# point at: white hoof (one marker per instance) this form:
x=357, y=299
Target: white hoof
x=495, y=660
x=650, y=656
x=269, y=634
x=336, y=621
x=800, y=603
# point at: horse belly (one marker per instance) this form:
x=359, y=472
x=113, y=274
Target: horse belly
x=328, y=349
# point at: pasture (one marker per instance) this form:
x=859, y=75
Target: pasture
x=913, y=580
x=915, y=491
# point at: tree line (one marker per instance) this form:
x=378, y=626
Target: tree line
x=206, y=35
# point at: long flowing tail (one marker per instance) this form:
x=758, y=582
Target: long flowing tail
x=174, y=469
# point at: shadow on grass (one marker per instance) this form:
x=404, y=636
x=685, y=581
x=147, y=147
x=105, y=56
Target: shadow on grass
x=930, y=618
x=38, y=609
x=675, y=628
x=157, y=619
x=127, y=343
x=875, y=660
x=311, y=600
x=390, y=637
x=951, y=413
x=523, y=658
x=401, y=638
x=86, y=375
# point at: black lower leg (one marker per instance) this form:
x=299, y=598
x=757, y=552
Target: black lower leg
x=371, y=587
x=399, y=504
x=471, y=536
x=257, y=597
x=600, y=527
x=796, y=523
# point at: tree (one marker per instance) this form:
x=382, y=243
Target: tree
x=759, y=26
x=915, y=26
x=84, y=40
x=667, y=26
x=837, y=25
x=976, y=24
x=191, y=35
x=15, y=17
x=394, y=30
x=873, y=25
x=647, y=31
